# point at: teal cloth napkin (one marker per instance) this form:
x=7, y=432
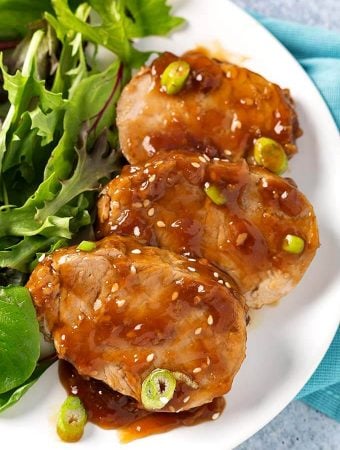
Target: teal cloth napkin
x=318, y=51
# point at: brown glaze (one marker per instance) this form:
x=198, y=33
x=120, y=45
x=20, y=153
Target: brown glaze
x=111, y=410
x=220, y=111
x=122, y=310
x=163, y=203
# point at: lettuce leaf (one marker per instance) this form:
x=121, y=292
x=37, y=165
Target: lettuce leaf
x=9, y=398
x=81, y=160
x=19, y=337
x=121, y=22
x=16, y=16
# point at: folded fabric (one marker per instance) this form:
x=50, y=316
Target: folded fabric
x=318, y=51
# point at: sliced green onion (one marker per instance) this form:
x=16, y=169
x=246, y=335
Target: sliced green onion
x=293, y=244
x=87, y=246
x=174, y=77
x=271, y=155
x=180, y=376
x=215, y=195
x=71, y=420
x=158, y=389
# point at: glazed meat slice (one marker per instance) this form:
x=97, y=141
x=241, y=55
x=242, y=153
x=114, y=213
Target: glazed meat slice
x=169, y=203
x=220, y=111
x=122, y=310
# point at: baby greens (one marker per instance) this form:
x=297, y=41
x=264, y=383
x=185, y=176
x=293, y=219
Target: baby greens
x=9, y=398
x=58, y=142
x=19, y=337
x=16, y=15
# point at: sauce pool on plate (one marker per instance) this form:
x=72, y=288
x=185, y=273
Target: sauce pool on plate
x=111, y=410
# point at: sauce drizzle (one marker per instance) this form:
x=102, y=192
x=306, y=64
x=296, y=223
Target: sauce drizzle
x=112, y=410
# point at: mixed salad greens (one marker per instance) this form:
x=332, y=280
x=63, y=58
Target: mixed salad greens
x=58, y=143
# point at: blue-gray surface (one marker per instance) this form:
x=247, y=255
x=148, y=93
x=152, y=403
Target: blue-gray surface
x=325, y=13
x=298, y=427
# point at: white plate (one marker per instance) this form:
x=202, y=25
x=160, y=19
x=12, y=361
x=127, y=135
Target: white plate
x=285, y=342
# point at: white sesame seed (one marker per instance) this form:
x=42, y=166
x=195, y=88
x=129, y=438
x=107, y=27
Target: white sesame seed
x=216, y=275
x=138, y=428
x=151, y=212
x=215, y=416
x=210, y=320
x=206, y=157
x=208, y=361
x=206, y=184
x=186, y=399
x=97, y=304
x=198, y=331
x=227, y=152
x=144, y=185
x=235, y=124
x=42, y=257
x=202, y=159
x=191, y=269
x=114, y=227
x=146, y=203
x=138, y=326
x=192, y=259
x=137, y=205
x=146, y=171
x=201, y=288
x=74, y=390
x=63, y=337
x=278, y=127
x=284, y=195
x=161, y=224
x=133, y=269
x=120, y=303
x=220, y=281
x=199, y=77
x=228, y=285
x=115, y=287
x=241, y=238
x=148, y=147
x=175, y=224
x=264, y=183
x=136, y=231
x=174, y=295
x=152, y=178
x=197, y=370
x=136, y=251
x=150, y=357
x=196, y=165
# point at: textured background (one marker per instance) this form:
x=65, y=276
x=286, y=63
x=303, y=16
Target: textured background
x=325, y=13
x=298, y=426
